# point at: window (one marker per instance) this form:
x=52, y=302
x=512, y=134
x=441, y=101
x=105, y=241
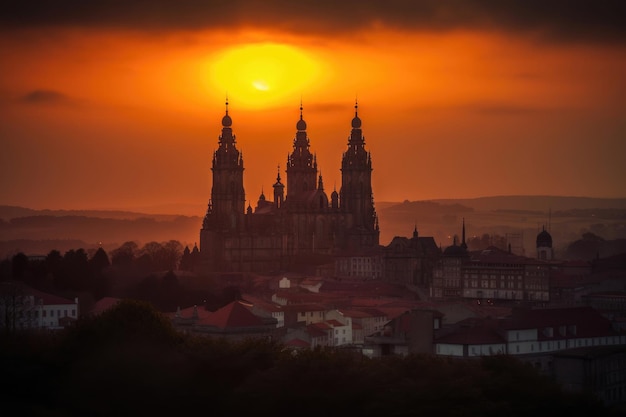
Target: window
x=43, y=313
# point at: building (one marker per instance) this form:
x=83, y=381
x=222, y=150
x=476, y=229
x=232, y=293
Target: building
x=535, y=334
x=492, y=275
x=24, y=308
x=301, y=226
x=410, y=260
x=411, y=332
x=234, y=321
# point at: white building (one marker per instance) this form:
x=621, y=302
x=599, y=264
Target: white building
x=23, y=308
x=528, y=332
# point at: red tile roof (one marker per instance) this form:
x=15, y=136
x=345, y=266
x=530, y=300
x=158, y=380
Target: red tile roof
x=234, y=314
x=19, y=288
x=102, y=305
x=587, y=321
x=298, y=343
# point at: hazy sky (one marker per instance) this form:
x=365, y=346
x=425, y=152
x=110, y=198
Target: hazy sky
x=118, y=104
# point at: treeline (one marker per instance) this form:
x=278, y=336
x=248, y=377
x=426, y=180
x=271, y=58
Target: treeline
x=130, y=361
x=150, y=273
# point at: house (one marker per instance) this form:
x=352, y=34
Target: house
x=365, y=322
x=234, y=321
x=532, y=333
x=411, y=332
x=22, y=307
x=263, y=308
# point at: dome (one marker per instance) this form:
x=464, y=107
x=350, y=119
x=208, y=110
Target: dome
x=334, y=194
x=227, y=121
x=356, y=122
x=301, y=125
x=262, y=197
x=544, y=239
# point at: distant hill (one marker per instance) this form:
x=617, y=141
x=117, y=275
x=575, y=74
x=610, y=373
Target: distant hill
x=39, y=231
x=522, y=216
x=537, y=203
x=12, y=212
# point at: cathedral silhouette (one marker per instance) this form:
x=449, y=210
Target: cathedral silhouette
x=301, y=226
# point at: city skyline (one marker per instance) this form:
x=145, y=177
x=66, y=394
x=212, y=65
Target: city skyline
x=111, y=108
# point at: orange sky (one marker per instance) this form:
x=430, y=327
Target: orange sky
x=99, y=111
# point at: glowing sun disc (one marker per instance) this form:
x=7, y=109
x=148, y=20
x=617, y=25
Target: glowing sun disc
x=263, y=74
x=260, y=85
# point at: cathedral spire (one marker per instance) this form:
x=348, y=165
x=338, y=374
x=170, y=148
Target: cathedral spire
x=301, y=163
x=463, y=243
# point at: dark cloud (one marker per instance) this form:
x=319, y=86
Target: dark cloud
x=591, y=20
x=45, y=97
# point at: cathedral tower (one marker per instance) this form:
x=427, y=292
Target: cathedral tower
x=227, y=194
x=356, y=195
x=301, y=167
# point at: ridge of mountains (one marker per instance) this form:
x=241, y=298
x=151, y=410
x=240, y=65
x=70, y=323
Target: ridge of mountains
x=38, y=231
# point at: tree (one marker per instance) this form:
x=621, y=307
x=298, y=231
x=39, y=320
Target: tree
x=172, y=253
x=99, y=282
x=99, y=261
x=124, y=255
x=19, y=266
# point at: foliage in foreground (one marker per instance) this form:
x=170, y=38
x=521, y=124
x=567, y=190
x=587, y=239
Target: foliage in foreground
x=130, y=361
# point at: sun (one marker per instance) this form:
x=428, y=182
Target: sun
x=263, y=74
x=260, y=85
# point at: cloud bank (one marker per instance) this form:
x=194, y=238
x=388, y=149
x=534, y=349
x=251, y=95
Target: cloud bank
x=560, y=20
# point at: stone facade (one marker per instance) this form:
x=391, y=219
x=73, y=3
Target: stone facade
x=301, y=226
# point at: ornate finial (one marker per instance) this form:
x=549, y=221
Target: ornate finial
x=356, y=122
x=226, y=120
x=278, y=174
x=300, y=107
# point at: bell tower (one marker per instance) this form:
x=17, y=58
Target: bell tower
x=301, y=166
x=356, y=195
x=227, y=193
